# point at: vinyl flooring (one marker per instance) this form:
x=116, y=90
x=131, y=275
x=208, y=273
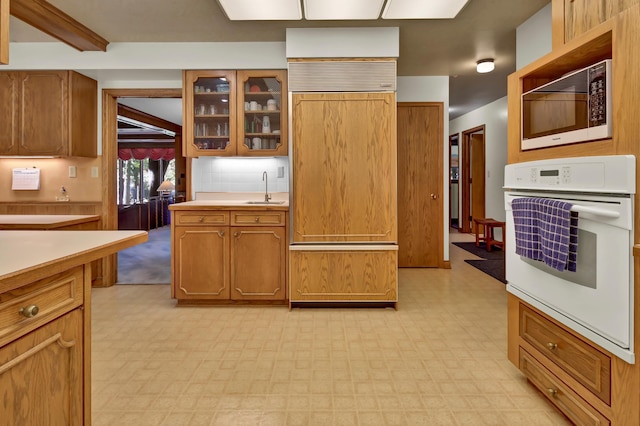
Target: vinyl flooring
x=440, y=359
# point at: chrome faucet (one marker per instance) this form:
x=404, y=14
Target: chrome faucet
x=265, y=177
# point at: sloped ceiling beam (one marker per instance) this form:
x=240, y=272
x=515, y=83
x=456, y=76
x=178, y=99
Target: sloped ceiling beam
x=51, y=20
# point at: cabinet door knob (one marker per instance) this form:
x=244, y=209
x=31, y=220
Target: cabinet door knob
x=552, y=392
x=201, y=219
x=434, y=196
x=257, y=219
x=552, y=346
x=235, y=234
x=29, y=311
x=221, y=233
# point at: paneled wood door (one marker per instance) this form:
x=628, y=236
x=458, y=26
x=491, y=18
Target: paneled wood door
x=344, y=167
x=420, y=183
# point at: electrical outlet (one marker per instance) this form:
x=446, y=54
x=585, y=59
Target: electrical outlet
x=73, y=171
x=94, y=171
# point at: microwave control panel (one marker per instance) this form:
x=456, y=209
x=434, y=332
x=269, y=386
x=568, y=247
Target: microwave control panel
x=597, y=95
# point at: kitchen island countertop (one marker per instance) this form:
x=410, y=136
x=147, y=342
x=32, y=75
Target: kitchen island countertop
x=39, y=253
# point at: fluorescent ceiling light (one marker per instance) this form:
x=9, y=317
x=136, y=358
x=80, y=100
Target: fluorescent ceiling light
x=331, y=10
x=485, y=65
x=422, y=9
x=262, y=10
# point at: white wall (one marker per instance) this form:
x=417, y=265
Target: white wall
x=533, y=37
x=494, y=117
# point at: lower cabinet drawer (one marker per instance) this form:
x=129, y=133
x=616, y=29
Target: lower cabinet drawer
x=567, y=401
x=204, y=218
x=343, y=276
x=257, y=218
x=29, y=307
x=582, y=361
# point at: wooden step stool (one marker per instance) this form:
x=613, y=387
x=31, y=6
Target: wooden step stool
x=488, y=225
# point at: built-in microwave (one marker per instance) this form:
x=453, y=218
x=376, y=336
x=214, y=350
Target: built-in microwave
x=573, y=108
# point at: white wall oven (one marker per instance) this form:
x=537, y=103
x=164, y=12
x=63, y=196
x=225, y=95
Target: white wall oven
x=597, y=299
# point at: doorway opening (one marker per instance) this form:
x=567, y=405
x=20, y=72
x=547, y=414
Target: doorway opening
x=472, y=187
x=454, y=175
x=110, y=159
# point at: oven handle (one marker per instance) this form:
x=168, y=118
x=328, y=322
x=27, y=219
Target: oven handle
x=584, y=209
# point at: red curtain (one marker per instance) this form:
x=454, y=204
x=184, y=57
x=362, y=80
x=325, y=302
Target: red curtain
x=142, y=153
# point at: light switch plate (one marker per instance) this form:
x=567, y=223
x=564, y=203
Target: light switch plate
x=94, y=171
x=281, y=171
x=73, y=171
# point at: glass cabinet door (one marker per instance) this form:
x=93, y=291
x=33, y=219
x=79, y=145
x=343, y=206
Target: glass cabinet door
x=210, y=98
x=262, y=113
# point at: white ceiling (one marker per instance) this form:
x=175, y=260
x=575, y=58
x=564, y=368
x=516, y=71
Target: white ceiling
x=483, y=29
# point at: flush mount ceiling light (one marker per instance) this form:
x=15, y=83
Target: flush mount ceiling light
x=485, y=65
x=262, y=10
x=423, y=9
x=332, y=10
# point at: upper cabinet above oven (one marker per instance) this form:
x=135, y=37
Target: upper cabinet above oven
x=613, y=39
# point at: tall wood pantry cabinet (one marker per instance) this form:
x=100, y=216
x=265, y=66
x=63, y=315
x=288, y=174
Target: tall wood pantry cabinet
x=52, y=113
x=229, y=113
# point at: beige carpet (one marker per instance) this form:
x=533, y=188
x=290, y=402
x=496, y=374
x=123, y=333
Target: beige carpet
x=147, y=263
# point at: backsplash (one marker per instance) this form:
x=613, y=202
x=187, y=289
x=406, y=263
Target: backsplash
x=239, y=174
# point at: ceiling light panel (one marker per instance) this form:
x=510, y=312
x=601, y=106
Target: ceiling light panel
x=331, y=10
x=262, y=10
x=422, y=9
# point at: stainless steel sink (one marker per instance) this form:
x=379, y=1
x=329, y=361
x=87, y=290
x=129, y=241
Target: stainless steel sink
x=265, y=202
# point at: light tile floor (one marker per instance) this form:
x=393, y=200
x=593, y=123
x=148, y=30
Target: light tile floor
x=440, y=359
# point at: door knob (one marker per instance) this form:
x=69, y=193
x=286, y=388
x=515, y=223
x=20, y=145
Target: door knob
x=434, y=196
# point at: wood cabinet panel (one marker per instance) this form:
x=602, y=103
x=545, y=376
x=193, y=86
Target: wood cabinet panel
x=582, y=15
x=54, y=113
x=582, y=361
x=345, y=149
x=560, y=395
x=201, y=262
x=258, y=263
x=41, y=375
x=9, y=107
x=343, y=276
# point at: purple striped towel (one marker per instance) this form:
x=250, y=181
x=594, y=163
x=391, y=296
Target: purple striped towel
x=546, y=230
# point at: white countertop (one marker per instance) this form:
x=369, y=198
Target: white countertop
x=24, y=250
x=42, y=219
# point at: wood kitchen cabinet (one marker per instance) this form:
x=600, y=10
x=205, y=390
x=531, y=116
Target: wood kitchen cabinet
x=226, y=256
x=52, y=113
x=200, y=247
x=262, y=112
x=229, y=113
x=258, y=256
x=547, y=352
x=342, y=163
x=41, y=351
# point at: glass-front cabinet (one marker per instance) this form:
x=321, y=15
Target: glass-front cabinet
x=262, y=113
x=228, y=113
x=210, y=108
